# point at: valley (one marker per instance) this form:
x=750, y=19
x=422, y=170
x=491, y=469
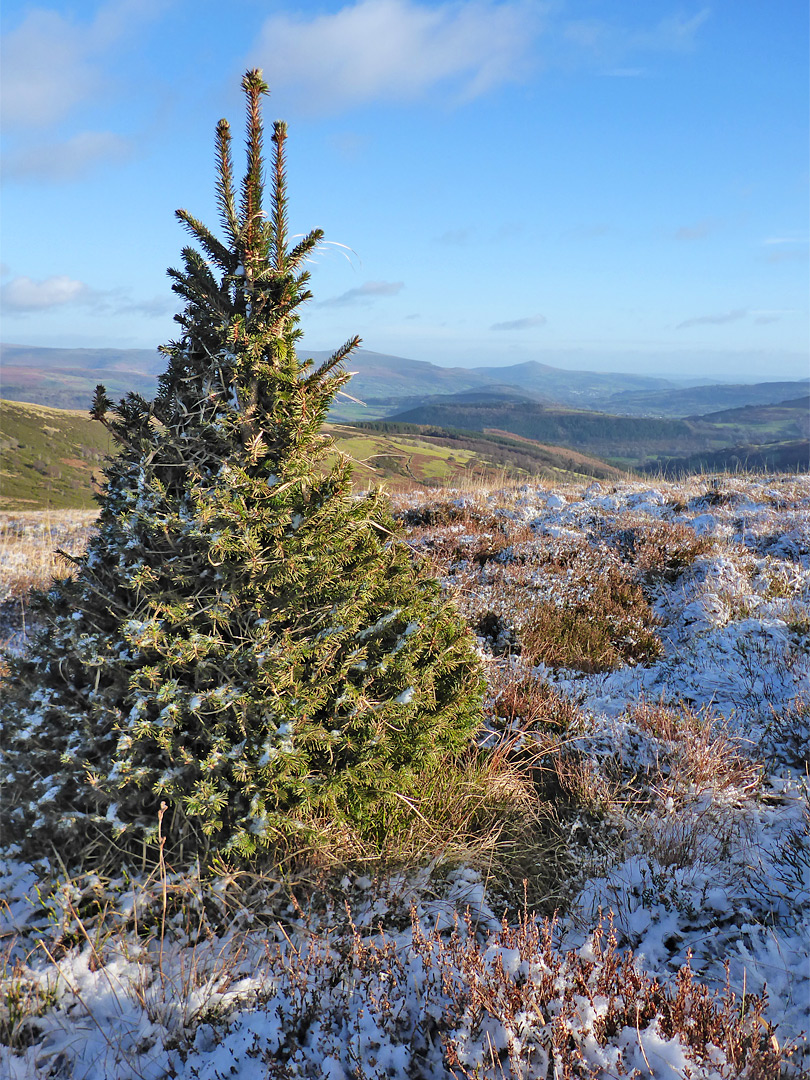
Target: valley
x=411, y=422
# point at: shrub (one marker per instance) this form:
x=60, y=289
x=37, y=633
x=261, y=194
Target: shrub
x=698, y=753
x=600, y=622
x=664, y=550
x=245, y=640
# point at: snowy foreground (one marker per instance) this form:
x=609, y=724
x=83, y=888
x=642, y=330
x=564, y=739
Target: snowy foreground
x=687, y=794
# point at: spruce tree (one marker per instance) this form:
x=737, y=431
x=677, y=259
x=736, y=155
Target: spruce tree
x=246, y=639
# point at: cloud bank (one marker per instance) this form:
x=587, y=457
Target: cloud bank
x=22, y=296
x=365, y=293
x=397, y=50
x=521, y=324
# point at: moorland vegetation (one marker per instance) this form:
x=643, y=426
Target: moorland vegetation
x=247, y=658
x=297, y=781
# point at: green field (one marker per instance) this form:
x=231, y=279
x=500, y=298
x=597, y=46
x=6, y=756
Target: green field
x=51, y=458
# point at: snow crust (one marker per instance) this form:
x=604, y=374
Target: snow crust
x=724, y=882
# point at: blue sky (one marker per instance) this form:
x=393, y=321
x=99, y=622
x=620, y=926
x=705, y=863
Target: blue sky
x=588, y=183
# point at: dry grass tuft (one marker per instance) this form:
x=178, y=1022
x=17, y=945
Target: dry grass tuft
x=598, y=620
x=698, y=755
x=28, y=542
x=28, y=559
x=519, y=700
x=663, y=550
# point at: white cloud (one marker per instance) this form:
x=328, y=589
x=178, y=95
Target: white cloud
x=24, y=294
x=365, y=293
x=612, y=43
x=52, y=63
x=521, y=324
x=397, y=50
x=714, y=320
x=65, y=160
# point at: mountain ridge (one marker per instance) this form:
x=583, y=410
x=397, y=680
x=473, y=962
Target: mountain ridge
x=386, y=384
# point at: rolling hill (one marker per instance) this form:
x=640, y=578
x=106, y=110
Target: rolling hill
x=699, y=400
x=625, y=441
x=775, y=438
x=52, y=457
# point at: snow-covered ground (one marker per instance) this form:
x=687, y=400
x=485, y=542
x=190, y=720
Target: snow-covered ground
x=698, y=852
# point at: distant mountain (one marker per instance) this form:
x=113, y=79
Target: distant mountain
x=384, y=384
x=571, y=387
x=66, y=378
x=699, y=400
x=140, y=361
x=388, y=385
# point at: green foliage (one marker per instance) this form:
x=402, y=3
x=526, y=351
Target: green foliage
x=245, y=639
x=49, y=458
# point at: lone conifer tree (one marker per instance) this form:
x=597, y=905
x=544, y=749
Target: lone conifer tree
x=245, y=639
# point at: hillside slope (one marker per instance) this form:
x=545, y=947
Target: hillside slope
x=51, y=457
x=700, y=400
x=625, y=441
